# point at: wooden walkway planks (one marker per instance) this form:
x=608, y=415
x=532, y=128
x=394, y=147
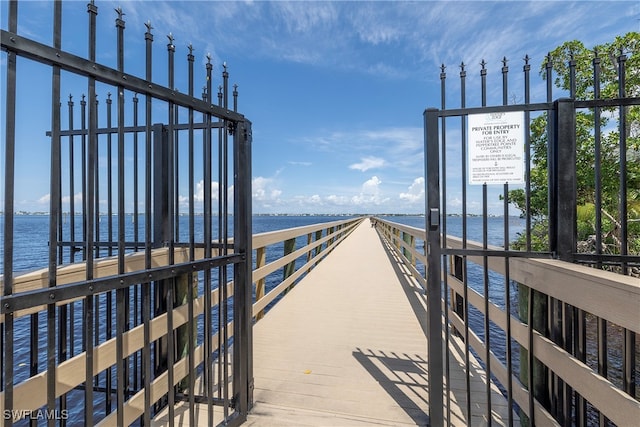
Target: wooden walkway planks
x=347, y=347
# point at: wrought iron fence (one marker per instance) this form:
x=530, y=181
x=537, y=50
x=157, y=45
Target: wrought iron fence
x=581, y=334
x=145, y=293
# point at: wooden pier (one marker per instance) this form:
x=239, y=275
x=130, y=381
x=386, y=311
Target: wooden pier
x=348, y=346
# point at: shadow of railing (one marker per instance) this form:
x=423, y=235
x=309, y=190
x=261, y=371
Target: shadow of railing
x=403, y=377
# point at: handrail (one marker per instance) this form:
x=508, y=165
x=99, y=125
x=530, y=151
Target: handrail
x=594, y=291
x=320, y=240
x=107, y=266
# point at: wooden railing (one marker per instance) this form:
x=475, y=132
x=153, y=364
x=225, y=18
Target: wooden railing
x=602, y=295
x=294, y=251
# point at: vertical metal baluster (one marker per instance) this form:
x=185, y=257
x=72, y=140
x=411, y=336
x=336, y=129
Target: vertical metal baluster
x=629, y=361
x=122, y=312
x=34, y=332
x=530, y=294
x=527, y=151
x=83, y=166
x=190, y=295
x=137, y=312
x=221, y=251
x=92, y=164
x=507, y=307
x=109, y=295
x=2, y=355
x=225, y=226
x=507, y=289
x=146, y=287
x=572, y=315
x=72, y=216
x=172, y=238
x=485, y=262
x=445, y=264
x=553, y=226
x=207, y=166
x=98, y=237
x=463, y=161
x=601, y=323
x=485, y=282
x=136, y=167
x=54, y=213
x=530, y=357
x=72, y=225
x=176, y=174
x=597, y=133
x=550, y=159
x=109, y=186
x=9, y=191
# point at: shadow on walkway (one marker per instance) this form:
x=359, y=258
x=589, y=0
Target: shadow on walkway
x=403, y=377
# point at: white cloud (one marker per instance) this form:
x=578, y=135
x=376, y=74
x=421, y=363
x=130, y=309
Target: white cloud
x=199, y=193
x=372, y=186
x=338, y=200
x=415, y=192
x=370, y=194
x=46, y=199
x=367, y=163
x=263, y=189
x=315, y=200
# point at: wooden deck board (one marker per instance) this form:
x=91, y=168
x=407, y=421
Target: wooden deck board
x=347, y=347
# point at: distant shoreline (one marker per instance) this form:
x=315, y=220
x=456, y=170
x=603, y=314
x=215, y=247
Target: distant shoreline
x=453, y=215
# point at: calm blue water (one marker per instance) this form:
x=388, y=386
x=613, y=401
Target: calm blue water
x=31, y=232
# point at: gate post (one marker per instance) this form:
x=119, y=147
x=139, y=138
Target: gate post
x=564, y=153
x=565, y=179
x=242, y=272
x=434, y=259
x=161, y=228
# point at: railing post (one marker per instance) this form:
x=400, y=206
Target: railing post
x=261, y=260
x=243, y=298
x=183, y=346
x=289, y=247
x=434, y=309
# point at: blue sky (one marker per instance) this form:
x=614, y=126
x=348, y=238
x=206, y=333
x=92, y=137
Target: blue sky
x=335, y=90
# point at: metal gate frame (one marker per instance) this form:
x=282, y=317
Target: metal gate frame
x=153, y=284
x=561, y=134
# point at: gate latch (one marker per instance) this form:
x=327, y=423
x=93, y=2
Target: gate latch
x=434, y=219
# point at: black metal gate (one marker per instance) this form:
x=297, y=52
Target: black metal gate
x=143, y=308
x=448, y=167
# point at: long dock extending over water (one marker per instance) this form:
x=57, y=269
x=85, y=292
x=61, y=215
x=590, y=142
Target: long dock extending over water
x=347, y=346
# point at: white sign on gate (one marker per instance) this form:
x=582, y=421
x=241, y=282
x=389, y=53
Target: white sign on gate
x=495, y=148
